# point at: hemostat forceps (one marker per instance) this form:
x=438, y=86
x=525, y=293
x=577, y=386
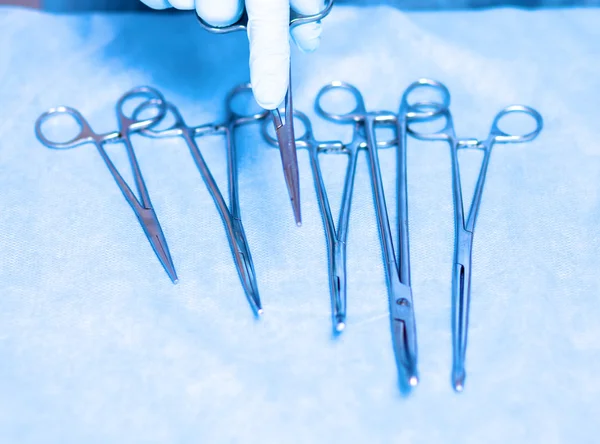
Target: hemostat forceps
x=336, y=238
x=127, y=125
x=230, y=215
x=283, y=128
x=464, y=227
x=402, y=316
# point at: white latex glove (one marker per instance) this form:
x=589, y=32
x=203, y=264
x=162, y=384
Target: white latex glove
x=268, y=27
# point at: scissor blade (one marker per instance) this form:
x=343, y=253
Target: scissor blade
x=404, y=333
x=154, y=233
x=245, y=266
x=287, y=149
x=461, y=294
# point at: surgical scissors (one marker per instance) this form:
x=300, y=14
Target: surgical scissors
x=127, y=125
x=464, y=228
x=283, y=128
x=402, y=317
x=336, y=238
x=230, y=215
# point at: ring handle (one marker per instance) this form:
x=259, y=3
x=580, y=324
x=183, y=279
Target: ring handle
x=176, y=129
x=424, y=108
x=85, y=134
x=356, y=115
x=131, y=123
x=302, y=141
x=504, y=137
x=414, y=111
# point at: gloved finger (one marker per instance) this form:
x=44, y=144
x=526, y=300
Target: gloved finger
x=157, y=4
x=268, y=32
x=182, y=4
x=220, y=12
x=308, y=36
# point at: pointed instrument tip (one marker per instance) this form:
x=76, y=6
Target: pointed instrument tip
x=172, y=273
x=170, y=269
x=297, y=212
x=159, y=244
x=258, y=305
x=458, y=381
x=340, y=322
x=413, y=381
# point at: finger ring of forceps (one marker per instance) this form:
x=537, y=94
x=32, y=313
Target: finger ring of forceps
x=465, y=225
x=284, y=128
x=230, y=215
x=336, y=237
x=142, y=207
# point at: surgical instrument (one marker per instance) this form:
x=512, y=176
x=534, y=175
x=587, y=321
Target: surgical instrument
x=464, y=228
x=407, y=113
x=336, y=238
x=402, y=316
x=142, y=207
x=284, y=128
x=230, y=215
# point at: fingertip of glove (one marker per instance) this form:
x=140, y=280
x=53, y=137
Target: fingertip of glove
x=221, y=13
x=307, y=37
x=308, y=46
x=269, y=91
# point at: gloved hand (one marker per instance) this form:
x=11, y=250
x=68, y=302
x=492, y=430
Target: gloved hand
x=268, y=27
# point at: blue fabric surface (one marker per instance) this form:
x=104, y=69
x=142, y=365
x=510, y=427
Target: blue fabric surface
x=97, y=346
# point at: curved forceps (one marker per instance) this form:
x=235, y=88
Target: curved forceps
x=230, y=215
x=283, y=128
x=464, y=228
x=143, y=207
x=402, y=317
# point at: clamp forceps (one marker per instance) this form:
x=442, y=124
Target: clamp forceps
x=336, y=238
x=402, y=317
x=230, y=215
x=464, y=228
x=284, y=128
x=142, y=208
